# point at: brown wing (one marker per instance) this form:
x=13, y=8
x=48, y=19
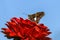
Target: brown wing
x=31, y=17
x=38, y=16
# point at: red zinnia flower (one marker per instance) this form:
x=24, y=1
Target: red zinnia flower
x=21, y=29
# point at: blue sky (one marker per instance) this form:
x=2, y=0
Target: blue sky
x=21, y=8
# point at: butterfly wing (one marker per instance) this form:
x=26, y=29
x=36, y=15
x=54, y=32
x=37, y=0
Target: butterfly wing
x=31, y=17
x=38, y=16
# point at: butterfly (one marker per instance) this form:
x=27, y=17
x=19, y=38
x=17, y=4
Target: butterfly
x=36, y=17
